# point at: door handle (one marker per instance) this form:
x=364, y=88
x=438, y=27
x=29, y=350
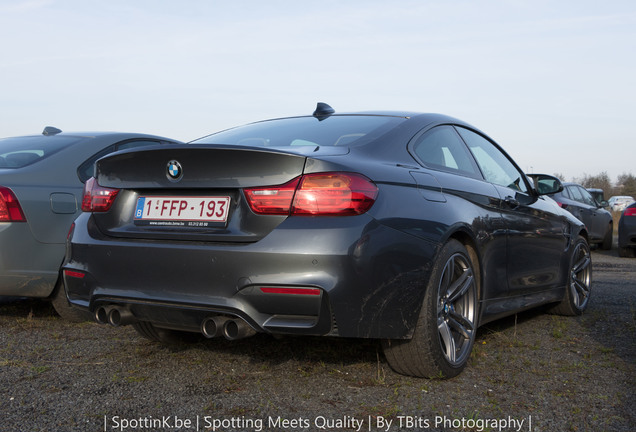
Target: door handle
x=511, y=202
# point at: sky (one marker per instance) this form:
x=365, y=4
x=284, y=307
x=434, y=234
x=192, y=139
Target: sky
x=553, y=82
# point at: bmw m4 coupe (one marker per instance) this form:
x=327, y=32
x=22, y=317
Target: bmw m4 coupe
x=409, y=228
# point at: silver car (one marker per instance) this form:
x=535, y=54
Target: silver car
x=620, y=203
x=41, y=182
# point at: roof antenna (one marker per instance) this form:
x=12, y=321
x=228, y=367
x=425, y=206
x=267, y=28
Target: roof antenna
x=50, y=130
x=323, y=111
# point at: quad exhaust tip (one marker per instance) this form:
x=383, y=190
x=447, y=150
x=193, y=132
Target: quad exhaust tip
x=230, y=328
x=211, y=327
x=114, y=315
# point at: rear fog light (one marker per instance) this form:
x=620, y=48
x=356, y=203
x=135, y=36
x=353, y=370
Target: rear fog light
x=74, y=274
x=285, y=290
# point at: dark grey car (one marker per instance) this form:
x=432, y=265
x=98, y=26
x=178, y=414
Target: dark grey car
x=599, y=222
x=410, y=228
x=41, y=182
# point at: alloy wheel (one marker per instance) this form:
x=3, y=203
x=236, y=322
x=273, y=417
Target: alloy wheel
x=456, y=309
x=580, y=276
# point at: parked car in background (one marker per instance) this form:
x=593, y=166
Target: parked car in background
x=599, y=196
x=41, y=182
x=578, y=201
x=619, y=203
x=410, y=228
x=627, y=232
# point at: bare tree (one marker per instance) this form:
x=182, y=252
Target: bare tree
x=627, y=184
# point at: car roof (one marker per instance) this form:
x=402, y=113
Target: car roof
x=93, y=134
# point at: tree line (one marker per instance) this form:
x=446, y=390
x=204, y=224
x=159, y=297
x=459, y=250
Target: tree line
x=625, y=184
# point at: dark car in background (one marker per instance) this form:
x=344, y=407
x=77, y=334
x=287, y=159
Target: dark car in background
x=599, y=197
x=599, y=222
x=627, y=232
x=410, y=228
x=41, y=184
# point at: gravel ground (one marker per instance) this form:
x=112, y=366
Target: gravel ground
x=533, y=372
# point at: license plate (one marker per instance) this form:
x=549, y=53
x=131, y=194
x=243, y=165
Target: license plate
x=182, y=209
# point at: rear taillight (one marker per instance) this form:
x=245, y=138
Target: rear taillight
x=337, y=194
x=319, y=194
x=97, y=198
x=273, y=199
x=10, y=210
x=563, y=206
x=630, y=211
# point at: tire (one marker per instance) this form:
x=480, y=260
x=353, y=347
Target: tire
x=446, y=327
x=579, y=286
x=609, y=237
x=626, y=252
x=63, y=308
x=165, y=336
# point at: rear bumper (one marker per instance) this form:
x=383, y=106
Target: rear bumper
x=349, y=277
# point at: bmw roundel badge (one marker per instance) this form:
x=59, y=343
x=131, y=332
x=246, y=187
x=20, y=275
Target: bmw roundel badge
x=174, y=170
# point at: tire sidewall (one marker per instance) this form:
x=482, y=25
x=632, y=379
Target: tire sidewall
x=427, y=331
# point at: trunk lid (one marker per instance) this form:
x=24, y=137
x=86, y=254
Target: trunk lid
x=192, y=193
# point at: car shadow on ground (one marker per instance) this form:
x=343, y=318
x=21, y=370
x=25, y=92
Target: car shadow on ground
x=18, y=307
x=272, y=351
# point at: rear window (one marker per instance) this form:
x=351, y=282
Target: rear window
x=22, y=151
x=336, y=130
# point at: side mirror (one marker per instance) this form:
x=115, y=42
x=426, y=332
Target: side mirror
x=603, y=204
x=546, y=184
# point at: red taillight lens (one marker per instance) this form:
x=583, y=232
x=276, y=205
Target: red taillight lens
x=74, y=274
x=272, y=199
x=97, y=198
x=336, y=194
x=630, y=211
x=563, y=206
x=10, y=210
x=320, y=194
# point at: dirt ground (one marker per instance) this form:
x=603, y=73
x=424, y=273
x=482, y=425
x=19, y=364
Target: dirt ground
x=530, y=372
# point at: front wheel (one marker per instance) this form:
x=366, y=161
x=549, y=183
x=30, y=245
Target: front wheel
x=608, y=239
x=446, y=327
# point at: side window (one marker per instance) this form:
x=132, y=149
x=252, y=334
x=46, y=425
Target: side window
x=587, y=197
x=494, y=164
x=566, y=193
x=575, y=193
x=442, y=149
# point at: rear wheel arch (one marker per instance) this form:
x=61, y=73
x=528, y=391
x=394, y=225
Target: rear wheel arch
x=469, y=242
x=448, y=320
